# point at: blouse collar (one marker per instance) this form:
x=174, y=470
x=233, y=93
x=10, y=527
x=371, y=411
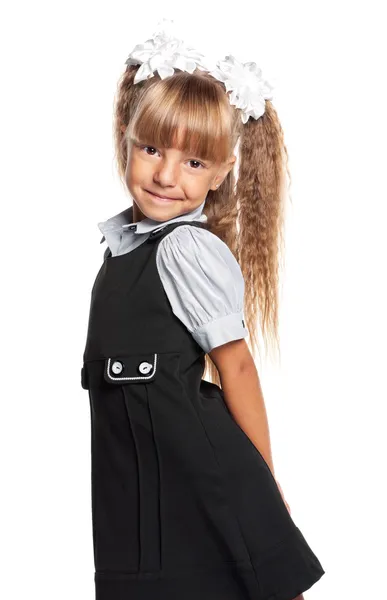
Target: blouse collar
x=123, y=221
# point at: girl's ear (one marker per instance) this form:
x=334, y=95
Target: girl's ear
x=231, y=162
x=223, y=172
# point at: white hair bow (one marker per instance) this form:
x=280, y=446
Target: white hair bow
x=163, y=53
x=248, y=89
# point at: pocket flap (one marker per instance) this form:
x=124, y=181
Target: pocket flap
x=135, y=368
x=84, y=379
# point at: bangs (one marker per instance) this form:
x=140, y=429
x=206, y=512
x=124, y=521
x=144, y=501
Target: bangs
x=188, y=113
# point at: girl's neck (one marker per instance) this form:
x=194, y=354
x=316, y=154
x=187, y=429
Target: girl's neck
x=137, y=214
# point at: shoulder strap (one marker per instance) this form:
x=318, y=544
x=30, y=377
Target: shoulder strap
x=159, y=233
x=107, y=253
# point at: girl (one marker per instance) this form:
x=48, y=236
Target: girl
x=185, y=503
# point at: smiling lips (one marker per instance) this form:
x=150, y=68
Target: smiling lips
x=165, y=198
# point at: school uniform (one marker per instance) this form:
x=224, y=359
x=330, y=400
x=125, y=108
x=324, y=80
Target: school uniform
x=183, y=504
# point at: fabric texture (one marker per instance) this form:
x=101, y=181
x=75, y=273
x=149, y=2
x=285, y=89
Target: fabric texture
x=204, y=284
x=184, y=505
x=200, y=275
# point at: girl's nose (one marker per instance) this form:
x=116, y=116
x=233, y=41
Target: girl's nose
x=166, y=173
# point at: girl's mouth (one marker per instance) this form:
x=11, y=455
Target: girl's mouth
x=158, y=198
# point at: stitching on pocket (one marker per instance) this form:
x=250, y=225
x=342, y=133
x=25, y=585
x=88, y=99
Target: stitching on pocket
x=143, y=377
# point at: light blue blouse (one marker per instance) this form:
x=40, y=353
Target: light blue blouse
x=200, y=275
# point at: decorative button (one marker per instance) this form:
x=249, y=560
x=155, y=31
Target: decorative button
x=117, y=367
x=145, y=367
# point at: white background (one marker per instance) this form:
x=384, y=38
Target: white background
x=325, y=400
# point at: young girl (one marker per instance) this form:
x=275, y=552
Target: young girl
x=185, y=503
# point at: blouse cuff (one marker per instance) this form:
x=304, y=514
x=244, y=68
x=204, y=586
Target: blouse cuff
x=220, y=331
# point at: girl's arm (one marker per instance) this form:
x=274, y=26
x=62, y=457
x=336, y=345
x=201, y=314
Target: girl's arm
x=243, y=393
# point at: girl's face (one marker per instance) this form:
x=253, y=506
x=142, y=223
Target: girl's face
x=183, y=180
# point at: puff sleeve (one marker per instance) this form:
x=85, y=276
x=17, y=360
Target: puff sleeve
x=204, y=285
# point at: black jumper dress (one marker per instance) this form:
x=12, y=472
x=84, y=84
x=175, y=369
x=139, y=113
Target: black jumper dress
x=183, y=504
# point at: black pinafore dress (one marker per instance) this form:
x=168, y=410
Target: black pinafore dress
x=183, y=504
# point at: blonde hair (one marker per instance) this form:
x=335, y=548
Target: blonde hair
x=197, y=106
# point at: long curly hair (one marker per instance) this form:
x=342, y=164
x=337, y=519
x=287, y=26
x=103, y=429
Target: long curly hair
x=247, y=213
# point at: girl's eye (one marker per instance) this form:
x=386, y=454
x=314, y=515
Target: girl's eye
x=197, y=162
x=192, y=160
x=151, y=147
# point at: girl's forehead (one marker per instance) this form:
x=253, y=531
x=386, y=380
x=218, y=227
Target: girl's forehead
x=176, y=137
x=205, y=133
x=175, y=143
